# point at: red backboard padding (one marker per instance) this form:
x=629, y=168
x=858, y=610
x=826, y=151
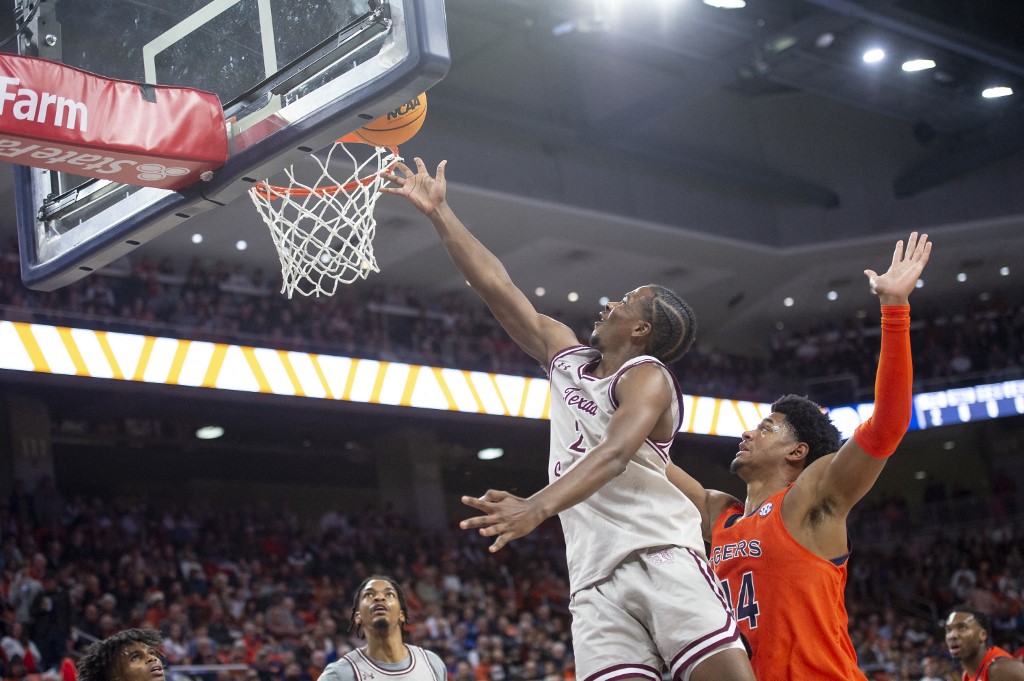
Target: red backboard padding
x=62, y=118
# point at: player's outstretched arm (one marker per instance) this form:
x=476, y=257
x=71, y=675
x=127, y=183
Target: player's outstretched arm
x=847, y=477
x=538, y=335
x=643, y=394
x=710, y=502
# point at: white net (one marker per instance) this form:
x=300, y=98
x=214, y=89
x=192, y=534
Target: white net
x=323, y=231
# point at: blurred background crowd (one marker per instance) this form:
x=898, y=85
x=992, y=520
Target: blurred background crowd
x=258, y=592
x=263, y=593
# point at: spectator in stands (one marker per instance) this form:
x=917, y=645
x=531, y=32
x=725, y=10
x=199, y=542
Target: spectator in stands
x=16, y=644
x=51, y=620
x=930, y=670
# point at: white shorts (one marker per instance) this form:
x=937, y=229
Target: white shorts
x=659, y=608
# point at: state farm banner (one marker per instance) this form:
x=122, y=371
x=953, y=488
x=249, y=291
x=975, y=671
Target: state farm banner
x=61, y=118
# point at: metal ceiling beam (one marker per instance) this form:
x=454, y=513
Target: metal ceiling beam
x=930, y=32
x=674, y=158
x=997, y=141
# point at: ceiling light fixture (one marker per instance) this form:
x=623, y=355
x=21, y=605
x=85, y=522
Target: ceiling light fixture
x=726, y=4
x=961, y=277
x=788, y=302
x=490, y=453
x=209, y=432
x=918, y=65
x=197, y=238
x=241, y=245
x=874, y=55
x=1004, y=271
x=825, y=40
x=573, y=297
x=995, y=92
x=832, y=295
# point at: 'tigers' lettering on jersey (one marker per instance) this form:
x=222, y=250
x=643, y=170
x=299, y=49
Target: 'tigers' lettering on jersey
x=740, y=549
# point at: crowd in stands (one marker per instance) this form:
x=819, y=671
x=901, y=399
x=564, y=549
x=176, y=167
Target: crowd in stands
x=833, y=363
x=256, y=593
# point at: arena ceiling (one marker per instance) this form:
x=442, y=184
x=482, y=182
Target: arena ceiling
x=740, y=156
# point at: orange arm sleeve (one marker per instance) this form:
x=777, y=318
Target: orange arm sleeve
x=894, y=394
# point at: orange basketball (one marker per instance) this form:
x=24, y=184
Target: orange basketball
x=396, y=127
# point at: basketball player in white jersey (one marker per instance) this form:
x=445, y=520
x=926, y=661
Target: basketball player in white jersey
x=643, y=596
x=378, y=609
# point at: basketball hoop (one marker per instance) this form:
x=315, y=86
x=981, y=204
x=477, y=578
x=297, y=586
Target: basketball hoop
x=324, y=231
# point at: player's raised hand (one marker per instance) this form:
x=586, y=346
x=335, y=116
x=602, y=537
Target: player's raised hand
x=424, y=192
x=505, y=515
x=895, y=286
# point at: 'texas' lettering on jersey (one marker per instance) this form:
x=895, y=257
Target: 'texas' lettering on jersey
x=572, y=397
x=740, y=549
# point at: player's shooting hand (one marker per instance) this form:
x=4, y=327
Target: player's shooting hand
x=895, y=286
x=505, y=515
x=424, y=192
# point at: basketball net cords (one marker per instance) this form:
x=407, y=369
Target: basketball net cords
x=324, y=231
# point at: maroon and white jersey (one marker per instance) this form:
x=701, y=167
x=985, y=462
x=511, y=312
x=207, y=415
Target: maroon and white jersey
x=421, y=665
x=639, y=509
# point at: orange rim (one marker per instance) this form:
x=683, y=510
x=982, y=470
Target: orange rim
x=271, y=191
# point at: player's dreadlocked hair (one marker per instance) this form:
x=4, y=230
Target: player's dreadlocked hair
x=673, y=324
x=359, y=594
x=97, y=663
x=809, y=424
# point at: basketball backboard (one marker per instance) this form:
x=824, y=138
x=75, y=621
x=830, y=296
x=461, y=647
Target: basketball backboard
x=292, y=76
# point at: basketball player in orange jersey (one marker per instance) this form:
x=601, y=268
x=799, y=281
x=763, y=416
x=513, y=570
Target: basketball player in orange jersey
x=643, y=596
x=782, y=554
x=967, y=633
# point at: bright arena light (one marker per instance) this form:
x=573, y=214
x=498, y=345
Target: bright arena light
x=961, y=277
x=209, y=432
x=197, y=238
x=913, y=65
x=919, y=284
x=727, y=4
x=602, y=301
x=832, y=295
x=1004, y=271
x=994, y=92
x=241, y=245
x=573, y=297
x=539, y=291
x=490, y=453
x=788, y=302
x=874, y=55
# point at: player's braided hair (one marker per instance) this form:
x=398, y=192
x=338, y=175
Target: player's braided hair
x=809, y=424
x=673, y=324
x=98, y=660
x=352, y=626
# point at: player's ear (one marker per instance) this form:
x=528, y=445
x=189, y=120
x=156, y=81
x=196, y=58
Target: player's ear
x=642, y=329
x=799, y=452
